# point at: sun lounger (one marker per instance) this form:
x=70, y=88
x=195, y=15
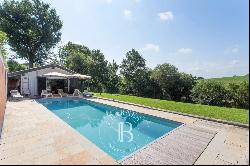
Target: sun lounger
x=46, y=94
x=15, y=94
x=87, y=94
x=77, y=92
x=61, y=93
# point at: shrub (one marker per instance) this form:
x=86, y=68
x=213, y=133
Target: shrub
x=173, y=84
x=239, y=95
x=210, y=93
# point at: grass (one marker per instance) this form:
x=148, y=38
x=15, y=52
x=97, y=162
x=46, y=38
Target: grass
x=234, y=79
x=223, y=113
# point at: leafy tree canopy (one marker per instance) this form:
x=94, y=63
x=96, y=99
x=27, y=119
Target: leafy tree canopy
x=15, y=66
x=112, y=85
x=83, y=60
x=134, y=73
x=3, y=39
x=174, y=85
x=32, y=28
x=210, y=92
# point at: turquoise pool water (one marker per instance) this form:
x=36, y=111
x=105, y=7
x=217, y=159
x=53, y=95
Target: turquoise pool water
x=118, y=132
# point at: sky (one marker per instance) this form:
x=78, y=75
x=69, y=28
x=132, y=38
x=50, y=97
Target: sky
x=207, y=38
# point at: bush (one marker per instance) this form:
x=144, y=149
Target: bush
x=210, y=93
x=173, y=84
x=239, y=95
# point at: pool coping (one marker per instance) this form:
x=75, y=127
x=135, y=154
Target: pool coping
x=74, y=130
x=146, y=107
x=143, y=147
x=179, y=113
x=182, y=124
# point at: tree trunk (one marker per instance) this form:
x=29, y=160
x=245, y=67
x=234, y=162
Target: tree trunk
x=31, y=64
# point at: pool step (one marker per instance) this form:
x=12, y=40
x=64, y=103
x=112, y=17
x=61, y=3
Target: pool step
x=181, y=147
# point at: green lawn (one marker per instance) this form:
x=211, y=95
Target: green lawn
x=234, y=79
x=228, y=114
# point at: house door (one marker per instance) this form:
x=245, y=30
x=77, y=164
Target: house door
x=25, y=85
x=41, y=83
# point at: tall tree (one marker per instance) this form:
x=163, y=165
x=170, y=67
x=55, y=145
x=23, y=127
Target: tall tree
x=174, y=85
x=98, y=69
x=83, y=60
x=32, y=28
x=167, y=76
x=112, y=85
x=71, y=48
x=134, y=73
x=3, y=39
x=76, y=57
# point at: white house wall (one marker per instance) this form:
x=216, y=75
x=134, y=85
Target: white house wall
x=32, y=76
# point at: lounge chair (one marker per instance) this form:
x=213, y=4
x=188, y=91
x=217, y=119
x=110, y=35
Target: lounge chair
x=46, y=94
x=15, y=94
x=87, y=94
x=77, y=92
x=61, y=93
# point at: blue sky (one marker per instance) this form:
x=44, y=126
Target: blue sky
x=206, y=38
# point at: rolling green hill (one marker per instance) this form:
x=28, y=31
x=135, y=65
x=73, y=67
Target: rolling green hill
x=234, y=79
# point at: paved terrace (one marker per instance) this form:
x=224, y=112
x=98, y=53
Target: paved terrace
x=230, y=145
x=34, y=135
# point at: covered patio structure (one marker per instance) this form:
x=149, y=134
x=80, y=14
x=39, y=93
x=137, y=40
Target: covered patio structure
x=66, y=82
x=31, y=82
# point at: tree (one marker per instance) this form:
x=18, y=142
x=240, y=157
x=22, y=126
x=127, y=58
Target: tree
x=98, y=69
x=239, y=94
x=32, y=28
x=71, y=48
x=134, y=73
x=81, y=59
x=15, y=66
x=112, y=85
x=3, y=39
x=167, y=76
x=173, y=84
x=210, y=92
x=187, y=82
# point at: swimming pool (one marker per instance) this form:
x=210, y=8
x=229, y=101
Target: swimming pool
x=118, y=132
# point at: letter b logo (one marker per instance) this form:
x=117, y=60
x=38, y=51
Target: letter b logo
x=121, y=132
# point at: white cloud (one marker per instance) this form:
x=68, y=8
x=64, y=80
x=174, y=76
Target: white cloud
x=234, y=62
x=128, y=14
x=166, y=16
x=151, y=47
x=185, y=51
x=234, y=49
x=109, y=1
x=208, y=68
x=137, y=1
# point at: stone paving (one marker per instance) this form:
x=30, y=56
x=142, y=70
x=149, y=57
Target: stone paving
x=34, y=135
x=229, y=146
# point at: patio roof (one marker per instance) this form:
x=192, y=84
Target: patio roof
x=17, y=73
x=80, y=76
x=57, y=75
